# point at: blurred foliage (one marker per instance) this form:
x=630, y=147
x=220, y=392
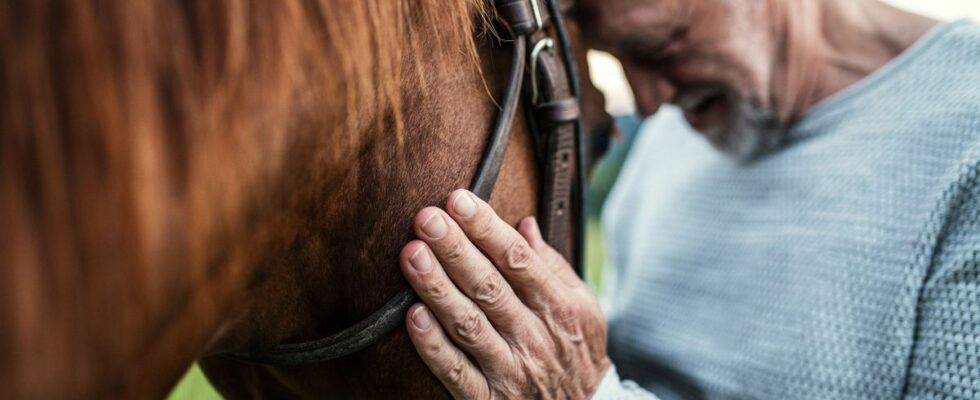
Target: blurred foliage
x=594, y=254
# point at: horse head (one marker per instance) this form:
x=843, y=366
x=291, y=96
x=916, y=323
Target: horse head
x=184, y=179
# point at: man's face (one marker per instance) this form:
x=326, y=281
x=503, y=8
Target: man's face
x=712, y=58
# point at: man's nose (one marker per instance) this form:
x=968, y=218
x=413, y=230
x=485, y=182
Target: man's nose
x=650, y=89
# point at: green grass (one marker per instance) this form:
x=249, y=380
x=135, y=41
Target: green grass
x=193, y=386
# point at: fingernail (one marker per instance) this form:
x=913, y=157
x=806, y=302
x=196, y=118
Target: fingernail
x=464, y=204
x=421, y=260
x=435, y=227
x=421, y=319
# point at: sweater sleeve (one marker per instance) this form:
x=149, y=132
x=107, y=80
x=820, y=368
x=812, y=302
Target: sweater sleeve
x=945, y=360
x=611, y=388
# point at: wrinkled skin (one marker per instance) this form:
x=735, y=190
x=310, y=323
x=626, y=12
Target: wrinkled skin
x=706, y=56
x=503, y=315
x=533, y=327
x=743, y=71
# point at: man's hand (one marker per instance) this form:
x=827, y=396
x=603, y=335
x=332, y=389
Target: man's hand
x=504, y=316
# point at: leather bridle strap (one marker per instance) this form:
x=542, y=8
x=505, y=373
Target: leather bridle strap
x=524, y=20
x=493, y=156
x=554, y=113
x=575, y=85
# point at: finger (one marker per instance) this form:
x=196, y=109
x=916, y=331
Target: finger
x=529, y=229
x=471, y=271
x=463, y=379
x=564, y=316
x=467, y=324
x=508, y=250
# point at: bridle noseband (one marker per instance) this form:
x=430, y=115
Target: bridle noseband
x=553, y=113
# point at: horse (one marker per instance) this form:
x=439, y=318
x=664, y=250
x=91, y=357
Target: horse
x=181, y=179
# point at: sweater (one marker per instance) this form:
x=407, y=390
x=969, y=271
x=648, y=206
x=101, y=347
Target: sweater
x=843, y=265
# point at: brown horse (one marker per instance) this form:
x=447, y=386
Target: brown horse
x=182, y=178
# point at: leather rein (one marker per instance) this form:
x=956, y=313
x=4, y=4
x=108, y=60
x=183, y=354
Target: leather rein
x=553, y=111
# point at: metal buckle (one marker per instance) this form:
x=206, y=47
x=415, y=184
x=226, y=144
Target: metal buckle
x=543, y=44
x=537, y=15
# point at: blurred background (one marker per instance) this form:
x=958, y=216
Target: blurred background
x=607, y=75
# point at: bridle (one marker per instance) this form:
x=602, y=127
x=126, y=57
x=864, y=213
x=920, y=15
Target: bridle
x=553, y=112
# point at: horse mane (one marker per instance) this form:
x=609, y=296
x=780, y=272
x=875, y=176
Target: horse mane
x=123, y=121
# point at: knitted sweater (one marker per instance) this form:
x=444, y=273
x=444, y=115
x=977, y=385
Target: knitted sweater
x=845, y=265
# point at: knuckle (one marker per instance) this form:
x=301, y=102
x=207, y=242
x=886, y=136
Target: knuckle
x=567, y=311
x=490, y=290
x=470, y=328
x=454, y=251
x=436, y=291
x=519, y=255
x=536, y=350
x=454, y=372
x=564, y=319
x=432, y=348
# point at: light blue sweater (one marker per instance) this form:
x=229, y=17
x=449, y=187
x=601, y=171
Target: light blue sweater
x=846, y=265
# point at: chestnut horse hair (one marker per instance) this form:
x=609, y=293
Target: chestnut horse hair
x=148, y=156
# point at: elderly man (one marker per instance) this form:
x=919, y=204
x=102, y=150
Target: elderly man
x=827, y=244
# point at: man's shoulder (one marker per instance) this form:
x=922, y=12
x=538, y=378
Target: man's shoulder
x=959, y=41
x=966, y=32
x=942, y=67
x=954, y=63
x=928, y=104
x=953, y=101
